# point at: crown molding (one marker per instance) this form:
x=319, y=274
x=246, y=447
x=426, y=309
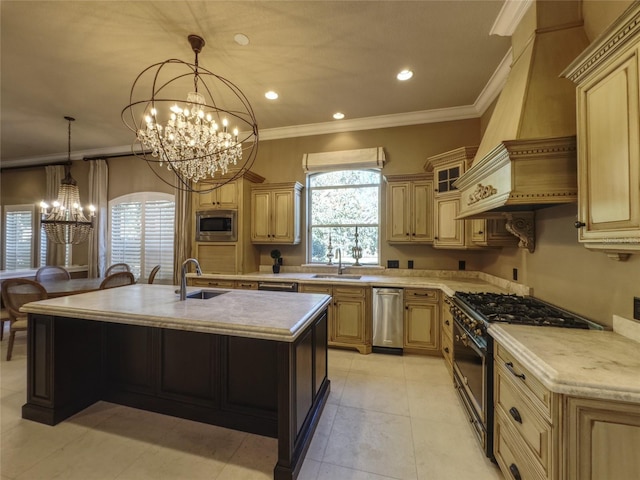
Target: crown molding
x=495, y=84
x=509, y=17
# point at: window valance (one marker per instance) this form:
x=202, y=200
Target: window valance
x=344, y=160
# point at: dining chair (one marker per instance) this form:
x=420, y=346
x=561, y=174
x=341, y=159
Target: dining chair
x=152, y=275
x=4, y=317
x=117, y=267
x=15, y=293
x=52, y=272
x=118, y=279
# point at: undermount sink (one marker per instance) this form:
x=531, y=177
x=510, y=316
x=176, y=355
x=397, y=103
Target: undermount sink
x=204, y=294
x=338, y=276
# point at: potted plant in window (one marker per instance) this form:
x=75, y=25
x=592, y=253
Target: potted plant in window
x=277, y=260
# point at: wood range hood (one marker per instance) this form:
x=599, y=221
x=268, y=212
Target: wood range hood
x=527, y=157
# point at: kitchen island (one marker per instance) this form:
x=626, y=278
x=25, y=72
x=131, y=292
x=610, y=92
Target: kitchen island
x=252, y=361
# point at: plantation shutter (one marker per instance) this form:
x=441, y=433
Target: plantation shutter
x=158, y=243
x=142, y=233
x=18, y=237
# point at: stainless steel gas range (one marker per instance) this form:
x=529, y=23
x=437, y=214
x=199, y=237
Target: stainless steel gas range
x=473, y=347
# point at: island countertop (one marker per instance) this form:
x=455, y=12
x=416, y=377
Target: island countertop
x=584, y=363
x=255, y=314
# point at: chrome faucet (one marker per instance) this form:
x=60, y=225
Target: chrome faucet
x=183, y=276
x=339, y=255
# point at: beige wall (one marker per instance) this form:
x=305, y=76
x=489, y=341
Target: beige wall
x=406, y=148
x=598, y=15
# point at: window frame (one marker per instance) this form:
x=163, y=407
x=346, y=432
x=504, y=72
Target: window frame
x=141, y=197
x=309, y=225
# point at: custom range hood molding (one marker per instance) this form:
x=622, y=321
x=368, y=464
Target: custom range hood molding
x=527, y=158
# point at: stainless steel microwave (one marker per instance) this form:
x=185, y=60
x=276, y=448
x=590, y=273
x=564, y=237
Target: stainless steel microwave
x=216, y=226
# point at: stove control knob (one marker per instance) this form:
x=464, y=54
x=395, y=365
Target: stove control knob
x=478, y=332
x=473, y=323
x=466, y=321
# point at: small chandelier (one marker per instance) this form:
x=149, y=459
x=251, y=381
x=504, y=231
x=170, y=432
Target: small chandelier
x=191, y=137
x=66, y=223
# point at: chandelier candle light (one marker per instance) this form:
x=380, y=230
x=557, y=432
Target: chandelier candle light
x=66, y=223
x=192, y=137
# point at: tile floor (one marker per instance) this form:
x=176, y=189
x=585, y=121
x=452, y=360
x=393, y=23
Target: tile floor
x=387, y=417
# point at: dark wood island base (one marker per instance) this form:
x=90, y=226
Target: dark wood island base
x=272, y=388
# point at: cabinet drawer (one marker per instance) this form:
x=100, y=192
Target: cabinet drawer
x=531, y=386
x=199, y=282
x=309, y=288
x=512, y=456
x=421, y=294
x=447, y=347
x=523, y=419
x=246, y=285
x=349, y=291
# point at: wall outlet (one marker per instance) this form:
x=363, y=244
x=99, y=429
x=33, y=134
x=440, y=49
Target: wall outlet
x=462, y=264
x=636, y=308
x=410, y=264
x=393, y=263
x=515, y=274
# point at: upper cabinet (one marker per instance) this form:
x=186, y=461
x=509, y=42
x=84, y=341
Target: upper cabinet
x=224, y=197
x=410, y=208
x=608, y=112
x=275, y=213
x=447, y=168
x=449, y=231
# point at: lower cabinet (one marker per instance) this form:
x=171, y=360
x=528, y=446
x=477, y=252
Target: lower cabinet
x=603, y=439
x=208, y=282
x=446, y=333
x=348, y=315
x=421, y=321
x=544, y=435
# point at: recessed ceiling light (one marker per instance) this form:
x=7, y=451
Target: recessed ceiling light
x=338, y=115
x=271, y=95
x=241, y=39
x=404, y=75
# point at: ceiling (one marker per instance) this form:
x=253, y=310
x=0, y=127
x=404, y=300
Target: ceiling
x=80, y=58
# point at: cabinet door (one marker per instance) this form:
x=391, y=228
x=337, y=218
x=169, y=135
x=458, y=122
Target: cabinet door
x=603, y=439
x=421, y=326
x=609, y=168
x=348, y=321
x=283, y=217
x=217, y=258
x=398, y=212
x=449, y=231
x=260, y=216
x=228, y=196
x=422, y=211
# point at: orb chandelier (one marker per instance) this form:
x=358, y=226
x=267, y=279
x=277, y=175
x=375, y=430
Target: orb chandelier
x=66, y=223
x=191, y=135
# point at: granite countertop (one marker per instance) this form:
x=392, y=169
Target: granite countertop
x=584, y=363
x=447, y=281
x=267, y=315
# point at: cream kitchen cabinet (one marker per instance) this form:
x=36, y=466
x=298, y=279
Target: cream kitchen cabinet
x=607, y=75
x=349, y=315
x=540, y=434
x=275, y=213
x=446, y=333
x=491, y=232
x=224, y=197
x=421, y=321
x=410, y=208
x=447, y=168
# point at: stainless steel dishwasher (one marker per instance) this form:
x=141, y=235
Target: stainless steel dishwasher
x=388, y=331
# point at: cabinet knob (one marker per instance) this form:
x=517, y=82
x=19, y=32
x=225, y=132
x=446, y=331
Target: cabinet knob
x=435, y=238
x=513, y=411
x=407, y=234
x=406, y=308
x=480, y=232
x=446, y=322
x=446, y=349
x=413, y=234
x=515, y=472
x=579, y=224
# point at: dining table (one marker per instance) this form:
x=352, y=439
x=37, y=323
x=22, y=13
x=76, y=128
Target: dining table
x=61, y=288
